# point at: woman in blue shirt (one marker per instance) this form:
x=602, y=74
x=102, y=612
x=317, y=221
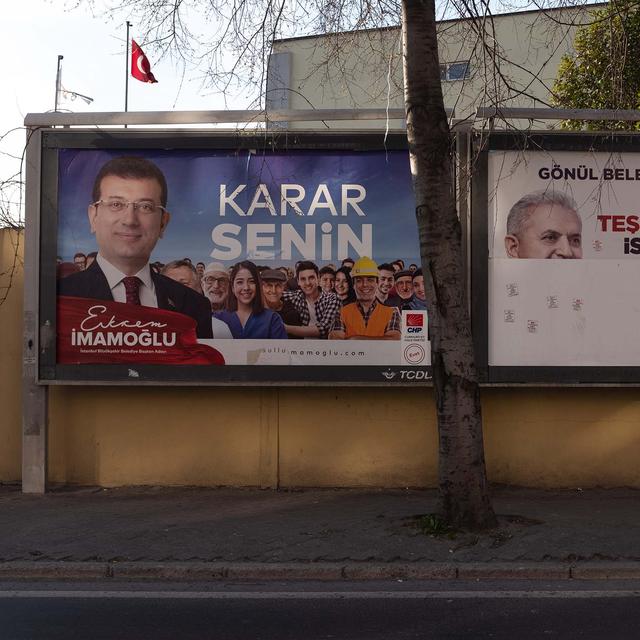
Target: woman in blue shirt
x=246, y=315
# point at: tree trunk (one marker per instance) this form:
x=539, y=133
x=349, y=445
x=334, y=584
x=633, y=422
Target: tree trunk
x=464, y=494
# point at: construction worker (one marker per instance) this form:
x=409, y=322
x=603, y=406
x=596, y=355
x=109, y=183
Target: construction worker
x=366, y=318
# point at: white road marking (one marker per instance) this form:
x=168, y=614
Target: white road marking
x=318, y=595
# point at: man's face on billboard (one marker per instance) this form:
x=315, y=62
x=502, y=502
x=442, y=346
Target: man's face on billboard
x=272, y=293
x=404, y=287
x=385, y=281
x=127, y=238
x=183, y=275
x=326, y=282
x=80, y=262
x=216, y=287
x=550, y=231
x=418, y=287
x=366, y=287
x=308, y=281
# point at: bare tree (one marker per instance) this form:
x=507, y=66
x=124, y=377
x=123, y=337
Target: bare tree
x=462, y=476
x=11, y=184
x=11, y=216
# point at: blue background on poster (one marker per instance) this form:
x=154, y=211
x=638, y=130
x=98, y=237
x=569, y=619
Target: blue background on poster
x=194, y=179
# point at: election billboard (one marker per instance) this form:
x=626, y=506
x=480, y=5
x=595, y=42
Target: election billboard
x=221, y=260
x=563, y=234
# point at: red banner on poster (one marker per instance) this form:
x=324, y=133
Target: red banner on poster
x=105, y=332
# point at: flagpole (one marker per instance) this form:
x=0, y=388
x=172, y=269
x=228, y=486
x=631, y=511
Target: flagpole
x=126, y=71
x=55, y=104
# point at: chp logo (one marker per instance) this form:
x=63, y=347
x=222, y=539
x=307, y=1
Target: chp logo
x=414, y=322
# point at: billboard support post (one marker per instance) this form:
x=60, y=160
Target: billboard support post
x=34, y=396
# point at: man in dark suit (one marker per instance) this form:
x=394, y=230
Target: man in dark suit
x=128, y=216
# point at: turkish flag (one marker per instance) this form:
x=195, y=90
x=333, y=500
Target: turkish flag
x=140, y=67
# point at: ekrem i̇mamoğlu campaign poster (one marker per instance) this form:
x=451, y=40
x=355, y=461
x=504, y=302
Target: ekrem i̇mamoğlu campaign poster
x=564, y=267
x=216, y=210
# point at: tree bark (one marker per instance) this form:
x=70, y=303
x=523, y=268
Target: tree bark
x=464, y=495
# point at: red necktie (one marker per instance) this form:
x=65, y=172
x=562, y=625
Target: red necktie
x=132, y=287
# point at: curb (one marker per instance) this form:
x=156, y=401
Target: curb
x=328, y=571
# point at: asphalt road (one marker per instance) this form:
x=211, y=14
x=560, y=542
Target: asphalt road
x=308, y=611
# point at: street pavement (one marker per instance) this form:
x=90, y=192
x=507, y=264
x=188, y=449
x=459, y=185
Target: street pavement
x=276, y=610
x=205, y=533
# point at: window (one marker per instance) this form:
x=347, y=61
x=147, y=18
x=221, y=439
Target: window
x=455, y=70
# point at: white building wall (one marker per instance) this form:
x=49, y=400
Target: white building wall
x=364, y=69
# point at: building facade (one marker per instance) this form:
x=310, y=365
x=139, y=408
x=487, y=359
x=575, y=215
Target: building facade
x=507, y=60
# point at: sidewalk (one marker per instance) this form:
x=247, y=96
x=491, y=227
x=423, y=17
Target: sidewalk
x=331, y=534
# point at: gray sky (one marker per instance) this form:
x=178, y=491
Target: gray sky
x=34, y=32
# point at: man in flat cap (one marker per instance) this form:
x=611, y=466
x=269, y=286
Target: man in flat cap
x=273, y=282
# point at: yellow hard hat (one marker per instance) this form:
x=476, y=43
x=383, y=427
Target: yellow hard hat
x=364, y=266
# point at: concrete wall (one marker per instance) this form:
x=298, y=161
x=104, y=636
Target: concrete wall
x=305, y=437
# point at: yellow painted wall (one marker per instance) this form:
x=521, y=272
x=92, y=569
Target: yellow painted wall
x=323, y=437
x=576, y=437
x=351, y=437
x=114, y=436
x=11, y=288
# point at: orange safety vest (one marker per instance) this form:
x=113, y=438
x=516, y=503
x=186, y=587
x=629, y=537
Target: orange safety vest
x=353, y=321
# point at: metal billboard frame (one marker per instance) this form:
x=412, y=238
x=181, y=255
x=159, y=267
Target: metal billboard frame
x=491, y=375
x=49, y=372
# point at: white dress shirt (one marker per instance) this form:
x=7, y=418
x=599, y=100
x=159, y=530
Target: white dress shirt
x=114, y=277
